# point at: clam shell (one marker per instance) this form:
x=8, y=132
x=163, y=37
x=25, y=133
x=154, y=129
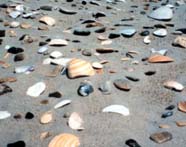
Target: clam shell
x=75, y=122
x=182, y=106
x=62, y=103
x=4, y=114
x=36, y=89
x=46, y=118
x=79, y=68
x=64, y=140
x=160, y=59
x=97, y=65
x=173, y=85
x=58, y=42
x=48, y=20
x=117, y=109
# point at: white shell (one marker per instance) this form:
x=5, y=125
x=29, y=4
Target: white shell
x=106, y=42
x=14, y=24
x=161, y=52
x=14, y=14
x=97, y=65
x=128, y=32
x=62, y=103
x=23, y=69
x=117, y=109
x=42, y=49
x=160, y=32
x=47, y=61
x=75, y=122
x=20, y=8
x=162, y=13
x=36, y=90
x=61, y=61
x=30, y=14
x=147, y=40
x=4, y=114
x=56, y=54
x=173, y=85
x=58, y=42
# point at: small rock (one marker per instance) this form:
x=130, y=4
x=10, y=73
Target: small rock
x=181, y=123
x=36, y=89
x=180, y=41
x=105, y=88
x=5, y=89
x=56, y=54
x=171, y=107
x=182, y=106
x=167, y=114
x=122, y=84
x=44, y=135
x=48, y=20
x=164, y=126
x=160, y=33
x=86, y=52
x=134, y=79
x=173, y=85
x=161, y=137
x=17, y=144
x=81, y=32
x=46, y=118
x=85, y=88
x=55, y=94
x=132, y=143
x=150, y=73
x=19, y=57
x=145, y=33
x=2, y=33
x=128, y=32
x=29, y=115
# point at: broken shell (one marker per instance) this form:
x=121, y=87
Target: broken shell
x=25, y=26
x=75, y=122
x=182, y=106
x=48, y=20
x=181, y=41
x=56, y=54
x=173, y=85
x=58, y=42
x=46, y=118
x=36, y=89
x=160, y=59
x=106, y=42
x=97, y=65
x=64, y=140
x=62, y=103
x=79, y=68
x=117, y=109
x=44, y=135
x=4, y=114
x=14, y=24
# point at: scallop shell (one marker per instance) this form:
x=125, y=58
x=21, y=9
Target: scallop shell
x=79, y=68
x=64, y=140
x=159, y=59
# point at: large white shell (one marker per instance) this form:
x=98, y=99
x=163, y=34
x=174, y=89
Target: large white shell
x=4, y=114
x=160, y=32
x=162, y=13
x=75, y=122
x=62, y=103
x=48, y=20
x=117, y=109
x=36, y=89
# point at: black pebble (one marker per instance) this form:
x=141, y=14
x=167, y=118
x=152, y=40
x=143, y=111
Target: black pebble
x=2, y=33
x=46, y=8
x=150, y=73
x=55, y=94
x=17, y=144
x=81, y=32
x=167, y=114
x=15, y=50
x=171, y=107
x=5, y=89
x=145, y=33
x=132, y=143
x=86, y=52
x=19, y=57
x=29, y=115
x=100, y=30
x=113, y=35
x=134, y=79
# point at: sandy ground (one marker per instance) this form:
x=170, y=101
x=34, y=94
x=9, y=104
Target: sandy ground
x=146, y=100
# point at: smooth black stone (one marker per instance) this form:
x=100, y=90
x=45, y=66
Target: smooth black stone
x=167, y=114
x=171, y=107
x=81, y=32
x=69, y=0
x=99, y=14
x=127, y=19
x=84, y=2
x=132, y=143
x=94, y=3
x=46, y=8
x=1, y=40
x=159, y=26
x=150, y=73
x=183, y=30
x=17, y=144
x=88, y=21
x=19, y=57
x=29, y=115
x=100, y=30
x=2, y=33
x=132, y=78
x=76, y=41
x=15, y=50
x=145, y=33
x=148, y=27
x=55, y=94
x=42, y=43
x=3, y=6
x=68, y=12
x=113, y=35
x=5, y=89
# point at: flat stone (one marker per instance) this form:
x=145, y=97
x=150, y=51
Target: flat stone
x=122, y=84
x=132, y=143
x=161, y=137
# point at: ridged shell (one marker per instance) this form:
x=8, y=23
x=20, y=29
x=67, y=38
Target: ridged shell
x=159, y=59
x=79, y=68
x=64, y=140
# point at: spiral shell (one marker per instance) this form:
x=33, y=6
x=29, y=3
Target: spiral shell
x=64, y=140
x=79, y=68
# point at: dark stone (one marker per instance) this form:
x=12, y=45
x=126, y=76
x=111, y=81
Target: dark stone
x=134, y=79
x=68, y=12
x=29, y=115
x=2, y=33
x=86, y=52
x=3, y=5
x=44, y=102
x=99, y=14
x=150, y=73
x=132, y=143
x=55, y=94
x=81, y=32
x=42, y=43
x=17, y=116
x=171, y=107
x=145, y=33
x=5, y=89
x=15, y=50
x=100, y=30
x=113, y=35
x=17, y=144
x=167, y=114
x=183, y=30
x=161, y=137
x=46, y=8
x=19, y=57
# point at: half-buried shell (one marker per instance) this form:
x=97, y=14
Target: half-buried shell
x=64, y=140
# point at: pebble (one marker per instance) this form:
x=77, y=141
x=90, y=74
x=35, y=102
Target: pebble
x=173, y=85
x=145, y=33
x=171, y=107
x=19, y=57
x=150, y=73
x=85, y=88
x=128, y=32
x=86, y=52
x=56, y=54
x=4, y=115
x=24, y=69
x=46, y=118
x=17, y=144
x=68, y=12
x=81, y=32
x=180, y=41
x=55, y=94
x=161, y=137
x=29, y=115
x=132, y=143
x=134, y=79
x=122, y=84
x=182, y=106
x=160, y=32
x=5, y=89
x=167, y=114
x=36, y=90
x=105, y=88
x=181, y=123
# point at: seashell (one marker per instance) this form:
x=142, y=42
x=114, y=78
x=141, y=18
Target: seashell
x=46, y=118
x=97, y=65
x=14, y=14
x=27, y=15
x=4, y=114
x=75, y=122
x=42, y=50
x=181, y=123
x=12, y=33
x=181, y=41
x=147, y=40
x=47, y=61
x=58, y=42
x=44, y=135
x=8, y=79
x=105, y=87
x=106, y=42
x=56, y=54
x=160, y=59
x=128, y=32
x=160, y=32
x=61, y=61
x=25, y=25
x=24, y=69
x=20, y=8
x=162, y=13
x=14, y=24
x=85, y=88
x=122, y=84
x=102, y=38
x=62, y=103
x=79, y=68
x=182, y=106
x=64, y=140
x=173, y=85
x=161, y=52
x=36, y=90
x=117, y=109
x=48, y=20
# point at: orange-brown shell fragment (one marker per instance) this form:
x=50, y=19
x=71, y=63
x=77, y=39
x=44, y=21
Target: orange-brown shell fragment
x=182, y=106
x=160, y=59
x=64, y=140
x=79, y=68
